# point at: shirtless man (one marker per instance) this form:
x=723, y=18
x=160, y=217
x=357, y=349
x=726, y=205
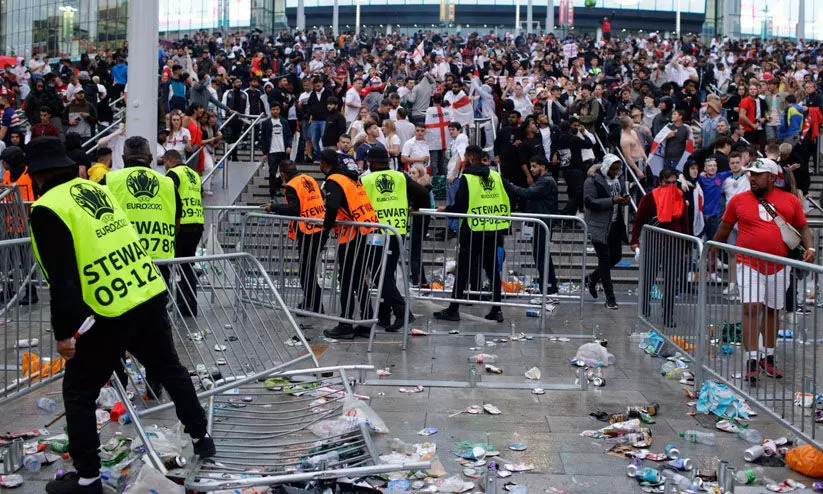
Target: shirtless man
x=631, y=148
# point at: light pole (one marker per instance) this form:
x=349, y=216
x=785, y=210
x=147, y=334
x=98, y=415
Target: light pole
x=335, y=19
x=141, y=109
x=357, y=18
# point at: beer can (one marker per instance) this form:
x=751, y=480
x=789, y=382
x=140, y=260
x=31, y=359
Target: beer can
x=769, y=447
x=616, y=417
x=672, y=451
x=753, y=453
x=631, y=470
x=684, y=464
x=172, y=462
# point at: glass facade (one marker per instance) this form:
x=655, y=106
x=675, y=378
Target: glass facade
x=691, y=6
x=72, y=27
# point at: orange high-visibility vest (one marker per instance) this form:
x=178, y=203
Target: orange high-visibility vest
x=360, y=209
x=311, y=205
x=23, y=183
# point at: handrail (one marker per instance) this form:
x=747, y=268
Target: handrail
x=629, y=169
x=816, y=205
x=118, y=100
x=100, y=134
x=190, y=159
x=230, y=150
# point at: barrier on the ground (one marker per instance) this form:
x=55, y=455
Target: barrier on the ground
x=449, y=264
x=319, y=277
x=266, y=392
x=667, y=289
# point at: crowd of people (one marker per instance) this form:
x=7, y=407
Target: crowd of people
x=676, y=127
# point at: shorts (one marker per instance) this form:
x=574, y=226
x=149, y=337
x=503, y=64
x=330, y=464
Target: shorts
x=756, y=287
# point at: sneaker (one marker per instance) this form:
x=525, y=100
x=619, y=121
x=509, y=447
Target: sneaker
x=720, y=265
x=447, y=315
x=767, y=364
x=69, y=484
x=342, y=331
x=752, y=372
x=398, y=323
x=592, y=286
x=384, y=323
x=362, y=331
x=611, y=304
x=494, y=315
x=204, y=447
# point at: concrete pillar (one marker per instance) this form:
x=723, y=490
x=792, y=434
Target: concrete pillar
x=335, y=19
x=357, y=18
x=516, y=17
x=529, y=16
x=677, y=20
x=801, y=20
x=141, y=112
x=550, y=17
x=301, y=15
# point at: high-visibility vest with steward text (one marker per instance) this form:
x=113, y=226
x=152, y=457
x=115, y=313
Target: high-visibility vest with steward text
x=311, y=205
x=191, y=195
x=116, y=273
x=359, y=209
x=487, y=197
x=387, y=191
x=148, y=200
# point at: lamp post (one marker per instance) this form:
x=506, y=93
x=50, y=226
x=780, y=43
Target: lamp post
x=141, y=109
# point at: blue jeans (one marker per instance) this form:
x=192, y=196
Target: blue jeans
x=316, y=130
x=451, y=192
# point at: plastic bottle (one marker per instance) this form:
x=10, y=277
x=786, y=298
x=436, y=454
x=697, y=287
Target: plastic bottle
x=329, y=457
x=483, y=358
x=680, y=481
x=32, y=463
x=751, y=436
x=747, y=476
x=480, y=340
x=699, y=437
x=46, y=403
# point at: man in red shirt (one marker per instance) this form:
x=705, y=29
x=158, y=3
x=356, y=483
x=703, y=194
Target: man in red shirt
x=752, y=115
x=44, y=127
x=763, y=284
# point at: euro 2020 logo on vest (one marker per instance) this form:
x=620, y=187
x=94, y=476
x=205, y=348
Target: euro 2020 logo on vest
x=142, y=185
x=384, y=184
x=193, y=178
x=93, y=201
x=487, y=183
x=308, y=185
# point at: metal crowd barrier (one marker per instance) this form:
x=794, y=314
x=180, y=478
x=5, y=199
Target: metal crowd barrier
x=522, y=258
x=15, y=211
x=667, y=289
x=264, y=387
x=772, y=314
x=223, y=225
x=319, y=278
x=29, y=358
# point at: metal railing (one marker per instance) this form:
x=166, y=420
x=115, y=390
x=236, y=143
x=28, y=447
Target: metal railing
x=755, y=329
x=667, y=281
x=222, y=163
x=356, y=278
x=511, y=267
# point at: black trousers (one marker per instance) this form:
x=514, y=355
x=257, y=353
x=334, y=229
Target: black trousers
x=389, y=293
x=274, y=164
x=145, y=332
x=574, y=181
x=419, y=228
x=539, y=254
x=608, y=255
x=310, y=247
x=476, y=250
x=188, y=237
x=352, y=258
x=671, y=265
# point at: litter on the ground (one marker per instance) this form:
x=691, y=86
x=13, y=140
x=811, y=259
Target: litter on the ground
x=517, y=447
x=533, y=373
x=428, y=431
x=491, y=409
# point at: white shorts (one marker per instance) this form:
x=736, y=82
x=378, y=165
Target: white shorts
x=756, y=287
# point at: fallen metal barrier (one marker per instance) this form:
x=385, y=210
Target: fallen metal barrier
x=320, y=278
x=667, y=290
x=757, y=321
x=266, y=392
x=521, y=260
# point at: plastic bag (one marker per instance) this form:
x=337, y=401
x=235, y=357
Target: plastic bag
x=150, y=480
x=805, y=459
x=333, y=427
x=359, y=410
x=107, y=398
x=716, y=398
x=167, y=441
x=595, y=352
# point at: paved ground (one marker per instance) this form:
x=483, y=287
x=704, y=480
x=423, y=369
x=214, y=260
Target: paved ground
x=549, y=424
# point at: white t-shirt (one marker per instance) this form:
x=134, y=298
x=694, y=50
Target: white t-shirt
x=415, y=149
x=457, y=149
x=733, y=186
x=277, y=144
x=177, y=141
x=353, y=97
x=405, y=130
